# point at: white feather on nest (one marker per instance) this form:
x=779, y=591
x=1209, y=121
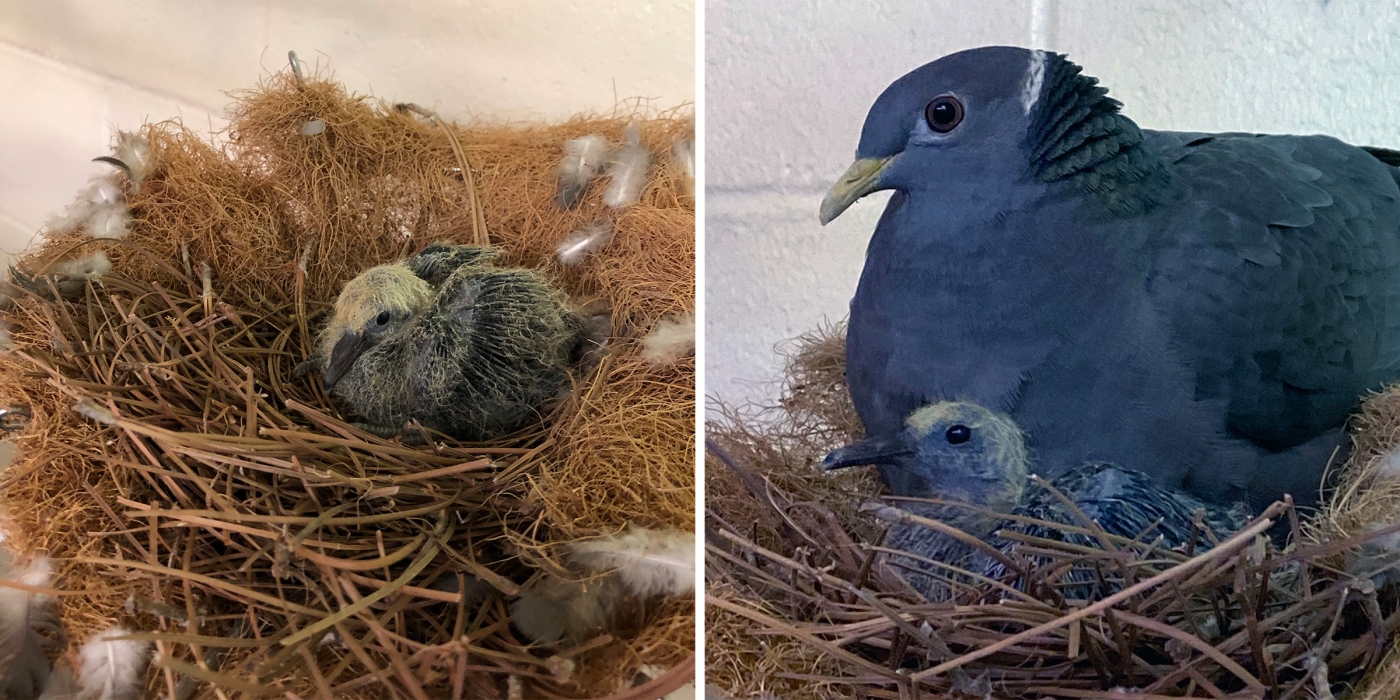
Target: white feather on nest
x=628, y=170
x=109, y=223
x=670, y=340
x=641, y=563
x=649, y=562
x=134, y=153
x=584, y=242
x=101, y=206
x=112, y=668
x=24, y=668
x=584, y=158
x=95, y=264
x=101, y=197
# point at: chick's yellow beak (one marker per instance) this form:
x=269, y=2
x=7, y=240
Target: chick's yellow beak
x=862, y=178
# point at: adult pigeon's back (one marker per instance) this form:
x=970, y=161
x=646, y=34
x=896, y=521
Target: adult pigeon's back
x=1207, y=308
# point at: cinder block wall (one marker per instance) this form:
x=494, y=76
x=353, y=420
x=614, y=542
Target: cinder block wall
x=72, y=71
x=788, y=83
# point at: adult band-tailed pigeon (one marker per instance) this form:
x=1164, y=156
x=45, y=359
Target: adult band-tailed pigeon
x=1207, y=308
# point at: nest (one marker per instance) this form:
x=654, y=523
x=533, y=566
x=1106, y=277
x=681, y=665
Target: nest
x=803, y=601
x=186, y=485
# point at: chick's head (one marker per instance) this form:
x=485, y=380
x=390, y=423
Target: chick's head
x=950, y=449
x=374, y=305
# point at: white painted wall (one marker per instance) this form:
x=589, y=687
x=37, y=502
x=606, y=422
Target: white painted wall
x=71, y=71
x=788, y=83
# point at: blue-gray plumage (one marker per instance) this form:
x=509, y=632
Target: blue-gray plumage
x=959, y=451
x=1209, y=307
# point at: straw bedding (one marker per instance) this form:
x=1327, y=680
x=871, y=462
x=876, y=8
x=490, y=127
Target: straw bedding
x=801, y=605
x=187, y=485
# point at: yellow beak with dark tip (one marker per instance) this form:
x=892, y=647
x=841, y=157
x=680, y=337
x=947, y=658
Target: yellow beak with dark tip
x=862, y=178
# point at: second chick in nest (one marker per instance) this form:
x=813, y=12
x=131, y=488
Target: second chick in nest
x=448, y=339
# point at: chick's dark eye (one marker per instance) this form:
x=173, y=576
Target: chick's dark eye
x=958, y=434
x=943, y=114
x=382, y=318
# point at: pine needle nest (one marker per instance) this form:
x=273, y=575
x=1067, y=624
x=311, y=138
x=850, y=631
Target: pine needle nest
x=188, y=486
x=801, y=603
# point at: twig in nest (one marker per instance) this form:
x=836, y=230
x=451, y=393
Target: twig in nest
x=296, y=68
x=479, y=234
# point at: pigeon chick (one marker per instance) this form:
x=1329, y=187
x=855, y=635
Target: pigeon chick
x=451, y=341
x=959, y=451
x=1210, y=306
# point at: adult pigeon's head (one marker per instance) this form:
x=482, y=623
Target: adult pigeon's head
x=986, y=118
x=372, y=306
x=951, y=449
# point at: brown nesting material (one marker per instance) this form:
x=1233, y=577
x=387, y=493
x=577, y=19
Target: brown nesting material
x=784, y=444
x=205, y=447
x=625, y=442
x=799, y=606
x=1366, y=498
x=1366, y=490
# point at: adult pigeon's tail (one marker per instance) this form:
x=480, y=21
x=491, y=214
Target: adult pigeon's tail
x=1384, y=155
x=1387, y=156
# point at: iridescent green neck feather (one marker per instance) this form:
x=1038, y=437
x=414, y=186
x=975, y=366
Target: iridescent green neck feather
x=1078, y=136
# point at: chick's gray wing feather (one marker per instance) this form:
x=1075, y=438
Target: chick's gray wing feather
x=439, y=260
x=1280, y=269
x=1125, y=503
x=492, y=347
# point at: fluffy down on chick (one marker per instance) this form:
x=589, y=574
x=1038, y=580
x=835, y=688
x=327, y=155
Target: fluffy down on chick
x=451, y=341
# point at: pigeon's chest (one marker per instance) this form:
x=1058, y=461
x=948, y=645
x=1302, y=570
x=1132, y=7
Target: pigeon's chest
x=967, y=312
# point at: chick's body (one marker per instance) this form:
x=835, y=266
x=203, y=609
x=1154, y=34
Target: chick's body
x=964, y=452
x=449, y=340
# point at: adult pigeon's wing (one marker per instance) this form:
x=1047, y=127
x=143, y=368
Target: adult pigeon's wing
x=438, y=260
x=1280, y=269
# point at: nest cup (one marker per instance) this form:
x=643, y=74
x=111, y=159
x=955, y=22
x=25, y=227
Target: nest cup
x=803, y=600
x=188, y=486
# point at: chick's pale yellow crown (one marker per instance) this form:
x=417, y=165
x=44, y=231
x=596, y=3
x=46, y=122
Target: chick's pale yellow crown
x=393, y=288
x=1001, y=440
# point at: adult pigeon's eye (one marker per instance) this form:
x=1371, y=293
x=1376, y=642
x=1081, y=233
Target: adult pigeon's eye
x=958, y=434
x=382, y=318
x=943, y=114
